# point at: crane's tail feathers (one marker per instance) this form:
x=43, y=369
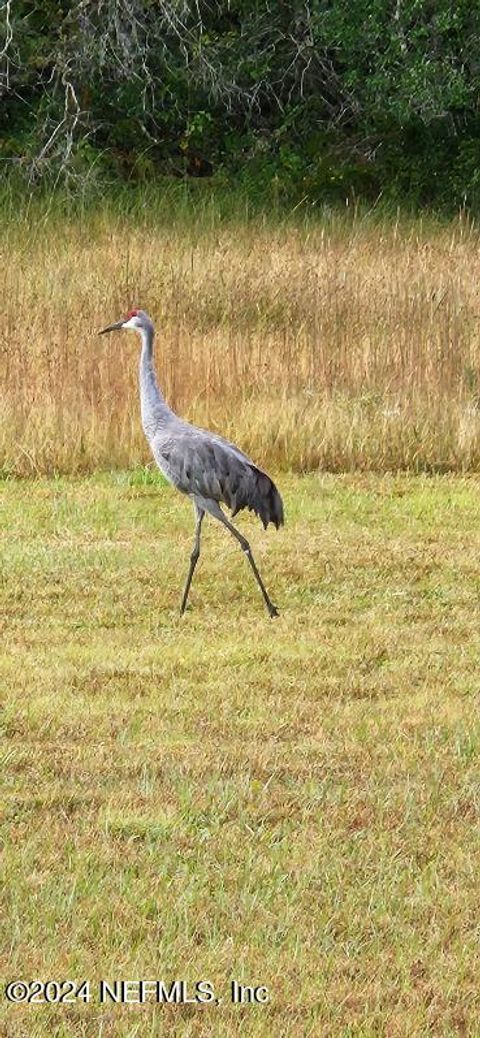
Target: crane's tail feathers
x=262, y=497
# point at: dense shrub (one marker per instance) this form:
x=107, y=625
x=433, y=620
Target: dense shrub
x=317, y=99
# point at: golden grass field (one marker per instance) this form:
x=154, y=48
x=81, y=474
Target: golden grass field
x=292, y=803
x=342, y=343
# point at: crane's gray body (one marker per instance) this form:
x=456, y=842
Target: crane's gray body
x=209, y=469
x=200, y=463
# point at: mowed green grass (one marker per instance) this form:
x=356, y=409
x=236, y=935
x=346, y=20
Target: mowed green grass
x=292, y=803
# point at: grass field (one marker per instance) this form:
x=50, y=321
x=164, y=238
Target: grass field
x=341, y=342
x=291, y=803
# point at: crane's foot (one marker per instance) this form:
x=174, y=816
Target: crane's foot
x=272, y=610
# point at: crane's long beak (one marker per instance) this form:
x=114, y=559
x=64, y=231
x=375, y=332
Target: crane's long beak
x=112, y=327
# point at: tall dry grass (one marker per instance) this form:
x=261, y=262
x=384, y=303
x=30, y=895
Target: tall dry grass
x=338, y=344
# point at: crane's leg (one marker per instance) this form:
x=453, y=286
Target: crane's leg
x=217, y=512
x=199, y=512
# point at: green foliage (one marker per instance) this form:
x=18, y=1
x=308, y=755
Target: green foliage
x=315, y=100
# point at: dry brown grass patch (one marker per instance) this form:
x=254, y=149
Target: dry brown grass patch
x=330, y=344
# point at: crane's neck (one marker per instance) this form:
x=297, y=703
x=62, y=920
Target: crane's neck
x=155, y=411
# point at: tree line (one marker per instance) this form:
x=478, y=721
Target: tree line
x=320, y=99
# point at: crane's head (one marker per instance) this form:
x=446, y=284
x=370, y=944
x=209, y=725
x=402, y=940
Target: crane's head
x=135, y=319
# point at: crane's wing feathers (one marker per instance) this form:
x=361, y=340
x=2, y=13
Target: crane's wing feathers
x=202, y=463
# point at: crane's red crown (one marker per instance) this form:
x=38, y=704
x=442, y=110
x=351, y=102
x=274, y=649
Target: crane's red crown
x=131, y=313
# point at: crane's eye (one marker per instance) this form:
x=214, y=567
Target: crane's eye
x=131, y=313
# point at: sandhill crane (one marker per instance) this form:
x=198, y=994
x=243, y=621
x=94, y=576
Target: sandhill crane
x=200, y=464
